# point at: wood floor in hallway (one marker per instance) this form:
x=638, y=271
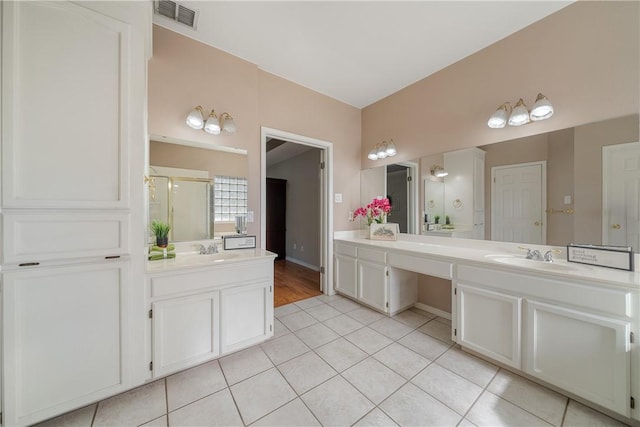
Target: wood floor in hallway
x=294, y=282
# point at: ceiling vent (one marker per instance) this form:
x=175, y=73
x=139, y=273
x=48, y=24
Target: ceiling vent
x=177, y=12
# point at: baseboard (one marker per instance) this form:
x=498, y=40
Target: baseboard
x=432, y=310
x=303, y=263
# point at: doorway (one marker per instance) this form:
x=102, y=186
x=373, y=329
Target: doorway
x=518, y=203
x=324, y=210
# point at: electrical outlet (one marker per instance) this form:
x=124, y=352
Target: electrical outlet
x=338, y=197
x=350, y=215
x=301, y=248
x=294, y=246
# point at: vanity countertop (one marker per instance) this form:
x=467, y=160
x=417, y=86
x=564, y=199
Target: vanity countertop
x=501, y=255
x=188, y=260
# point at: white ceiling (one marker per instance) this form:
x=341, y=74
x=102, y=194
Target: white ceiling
x=357, y=51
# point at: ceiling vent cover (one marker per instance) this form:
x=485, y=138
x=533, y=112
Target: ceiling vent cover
x=177, y=12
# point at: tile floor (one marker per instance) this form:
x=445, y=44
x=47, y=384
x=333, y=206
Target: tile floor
x=333, y=362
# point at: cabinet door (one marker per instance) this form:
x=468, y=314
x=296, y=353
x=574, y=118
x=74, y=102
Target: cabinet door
x=489, y=323
x=66, y=119
x=246, y=316
x=585, y=354
x=185, y=332
x=346, y=275
x=372, y=285
x=66, y=335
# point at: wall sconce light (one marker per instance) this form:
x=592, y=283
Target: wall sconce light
x=213, y=124
x=438, y=171
x=383, y=150
x=520, y=115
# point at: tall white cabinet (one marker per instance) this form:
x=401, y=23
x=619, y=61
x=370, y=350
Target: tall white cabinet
x=464, y=190
x=73, y=140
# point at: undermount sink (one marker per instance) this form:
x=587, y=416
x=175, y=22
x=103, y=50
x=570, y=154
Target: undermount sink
x=531, y=263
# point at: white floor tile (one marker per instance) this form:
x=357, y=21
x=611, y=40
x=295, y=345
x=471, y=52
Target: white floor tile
x=244, y=364
x=424, y=345
x=337, y=403
x=391, y=328
x=193, y=384
x=306, y=371
x=443, y=320
x=467, y=366
x=330, y=298
x=438, y=330
x=466, y=423
x=316, y=335
x=279, y=329
x=412, y=319
x=368, y=340
x=343, y=324
x=261, y=394
x=373, y=379
x=284, y=348
x=163, y=421
x=323, y=312
x=341, y=354
x=293, y=414
x=365, y=315
x=375, y=418
x=579, y=415
x=285, y=310
x=215, y=410
x=411, y=406
x=345, y=305
x=449, y=388
x=298, y=320
x=538, y=400
x=491, y=410
x=134, y=407
x=402, y=360
x=79, y=418
x=308, y=303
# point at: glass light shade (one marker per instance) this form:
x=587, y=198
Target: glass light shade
x=439, y=172
x=499, y=119
x=382, y=151
x=195, y=119
x=542, y=109
x=373, y=154
x=519, y=115
x=212, y=125
x=391, y=149
x=228, y=125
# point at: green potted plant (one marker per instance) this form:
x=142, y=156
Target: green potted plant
x=161, y=231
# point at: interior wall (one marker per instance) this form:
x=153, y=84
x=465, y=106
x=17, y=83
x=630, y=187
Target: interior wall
x=585, y=58
x=434, y=292
x=303, y=205
x=182, y=156
x=184, y=73
x=559, y=185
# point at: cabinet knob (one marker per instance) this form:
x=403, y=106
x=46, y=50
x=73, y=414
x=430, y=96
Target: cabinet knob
x=616, y=226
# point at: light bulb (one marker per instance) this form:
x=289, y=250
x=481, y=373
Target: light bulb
x=373, y=154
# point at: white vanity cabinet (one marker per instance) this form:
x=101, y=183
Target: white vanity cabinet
x=206, y=311
x=346, y=270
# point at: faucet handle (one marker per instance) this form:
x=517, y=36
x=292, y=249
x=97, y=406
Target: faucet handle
x=201, y=248
x=531, y=253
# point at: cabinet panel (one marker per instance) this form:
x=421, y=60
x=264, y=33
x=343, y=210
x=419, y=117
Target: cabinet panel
x=582, y=353
x=185, y=332
x=65, y=338
x=489, y=323
x=246, y=315
x=346, y=271
x=66, y=78
x=372, y=285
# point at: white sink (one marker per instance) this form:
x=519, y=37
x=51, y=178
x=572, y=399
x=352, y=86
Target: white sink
x=541, y=265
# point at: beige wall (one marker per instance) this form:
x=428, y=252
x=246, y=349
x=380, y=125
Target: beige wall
x=559, y=185
x=585, y=58
x=434, y=292
x=303, y=205
x=181, y=156
x=184, y=73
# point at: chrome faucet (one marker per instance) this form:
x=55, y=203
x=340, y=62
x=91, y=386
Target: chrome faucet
x=534, y=254
x=548, y=256
x=212, y=249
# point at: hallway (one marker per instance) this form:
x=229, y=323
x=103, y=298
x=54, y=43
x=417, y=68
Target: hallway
x=294, y=282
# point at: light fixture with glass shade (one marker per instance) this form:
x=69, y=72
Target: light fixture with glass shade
x=499, y=119
x=438, y=171
x=227, y=123
x=213, y=125
x=195, y=120
x=382, y=150
x=542, y=108
x=519, y=115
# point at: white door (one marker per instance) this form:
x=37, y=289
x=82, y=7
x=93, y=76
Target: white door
x=621, y=195
x=346, y=272
x=185, y=332
x=518, y=201
x=372, y=285
x=489, y=323
x=583, y=353
x=246, y=314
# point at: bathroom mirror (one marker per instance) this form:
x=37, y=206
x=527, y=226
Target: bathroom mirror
x=197, y=188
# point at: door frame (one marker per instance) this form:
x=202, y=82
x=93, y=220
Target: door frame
x=326, y=201
x=543, y=195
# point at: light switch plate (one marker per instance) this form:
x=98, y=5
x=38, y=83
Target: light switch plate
x=249, y=216
x=567, y=200
x=338, y=197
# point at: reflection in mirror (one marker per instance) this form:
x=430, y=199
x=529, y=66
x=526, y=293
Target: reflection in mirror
x=197, y=189
x=433, y=202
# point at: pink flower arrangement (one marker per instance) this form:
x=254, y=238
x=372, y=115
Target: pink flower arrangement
x=376, y=211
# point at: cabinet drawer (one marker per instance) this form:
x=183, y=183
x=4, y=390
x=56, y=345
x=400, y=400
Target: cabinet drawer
x=372, y=255
x=612, y=301
x=54, y=235
x=347, y=250
x=421, y=265
x=223, y=276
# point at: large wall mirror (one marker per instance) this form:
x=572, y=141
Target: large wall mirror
x=196, y=188
x=588, y=187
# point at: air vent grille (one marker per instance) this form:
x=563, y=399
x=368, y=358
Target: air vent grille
x=177, y=12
